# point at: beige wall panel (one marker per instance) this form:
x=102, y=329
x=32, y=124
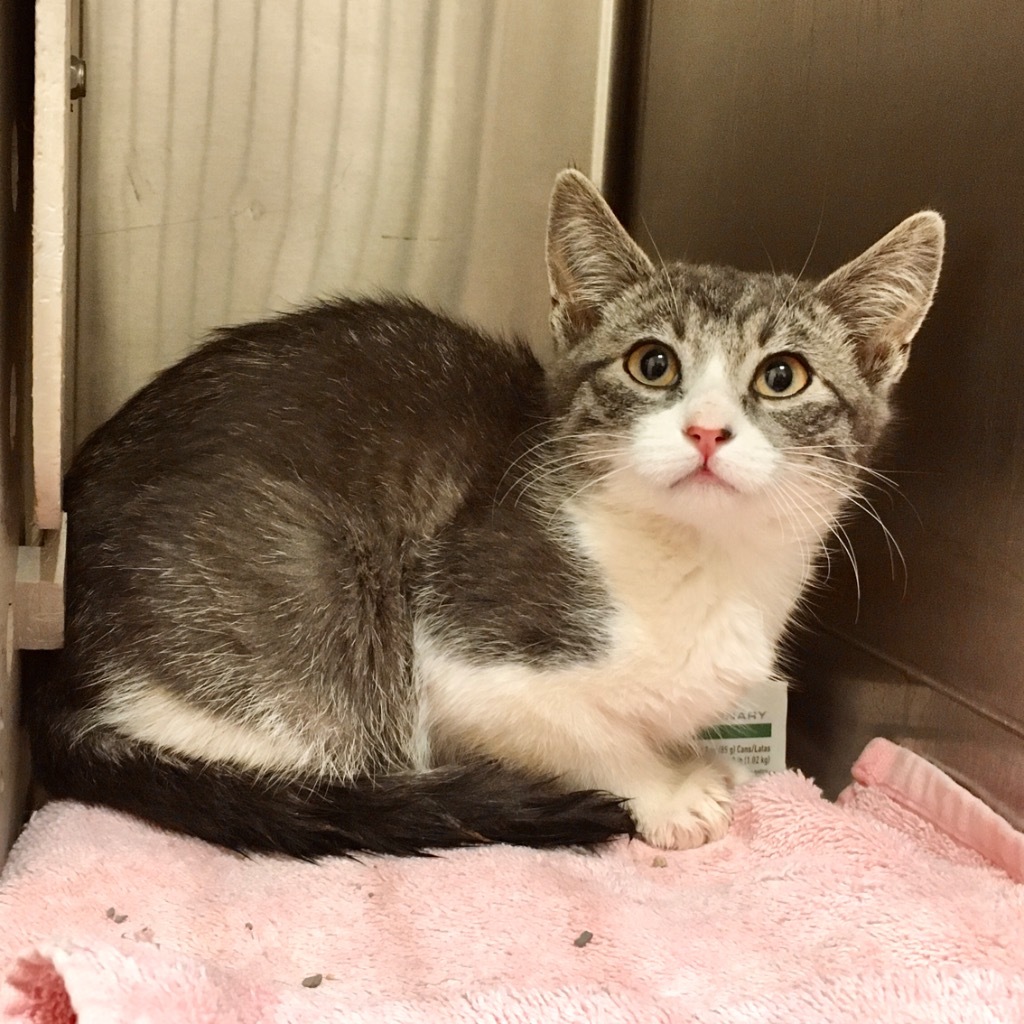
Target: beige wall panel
x=54, y=163
x=239, y=158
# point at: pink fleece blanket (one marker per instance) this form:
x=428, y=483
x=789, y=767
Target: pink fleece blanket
x=900, y=903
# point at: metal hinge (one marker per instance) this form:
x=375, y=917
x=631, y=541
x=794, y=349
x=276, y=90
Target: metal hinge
x=77, y=77
x=39, y=592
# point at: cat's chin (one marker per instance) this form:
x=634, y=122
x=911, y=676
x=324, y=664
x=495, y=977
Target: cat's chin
x=709, y=504
x=716, y=508
x=701, y=498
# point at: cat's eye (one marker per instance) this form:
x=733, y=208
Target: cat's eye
x=653, y=364
x=782, y=376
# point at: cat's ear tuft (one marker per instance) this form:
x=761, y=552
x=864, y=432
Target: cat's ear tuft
x=883, y=295
x=591, y=258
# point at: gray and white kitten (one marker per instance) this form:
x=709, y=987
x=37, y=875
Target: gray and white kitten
x=363, y=578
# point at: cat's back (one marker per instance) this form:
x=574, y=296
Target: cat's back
x=381, y=412
x=326, y=391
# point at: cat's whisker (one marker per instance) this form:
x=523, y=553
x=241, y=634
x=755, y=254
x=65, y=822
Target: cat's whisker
x=843, y=479
x=529, y=451
x=841, y=482
x=555, y=440
x=559, y=438
x=562, y=465
x=832, y=523
x=560, y=441
x=820, y=452
x=579, y=461
x=892, y=545
x=810, y=253
x=817, y=452
x=859, y=501
x=563, y=461
x=664, y=273
x=785, y=511
x=839, y=532
x=799, y=277
x=768, y=255
x=806, y=503
x=882, y=483
x=531, y=470
x=590, y=484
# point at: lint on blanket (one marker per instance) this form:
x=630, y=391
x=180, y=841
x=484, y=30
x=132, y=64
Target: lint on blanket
x=901, y=902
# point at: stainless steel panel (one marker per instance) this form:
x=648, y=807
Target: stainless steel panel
x=774, y=131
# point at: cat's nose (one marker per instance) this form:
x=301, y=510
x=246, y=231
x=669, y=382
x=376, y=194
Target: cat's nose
x=708, y=439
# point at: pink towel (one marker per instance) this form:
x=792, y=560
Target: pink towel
x=889, y=906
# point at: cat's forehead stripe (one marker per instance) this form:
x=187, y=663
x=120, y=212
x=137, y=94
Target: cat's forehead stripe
x=685, y=298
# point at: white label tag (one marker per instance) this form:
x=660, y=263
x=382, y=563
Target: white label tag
x=754, y=735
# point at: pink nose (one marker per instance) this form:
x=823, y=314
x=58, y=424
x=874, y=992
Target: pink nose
x=707, y=439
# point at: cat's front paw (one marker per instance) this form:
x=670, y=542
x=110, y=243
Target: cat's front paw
x=696, y=811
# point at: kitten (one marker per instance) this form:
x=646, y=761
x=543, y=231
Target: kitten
x=360, y=577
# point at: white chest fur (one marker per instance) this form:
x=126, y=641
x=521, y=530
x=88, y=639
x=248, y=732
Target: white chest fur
x=694, y=628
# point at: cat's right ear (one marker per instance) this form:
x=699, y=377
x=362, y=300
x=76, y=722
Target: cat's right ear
x=591, y=258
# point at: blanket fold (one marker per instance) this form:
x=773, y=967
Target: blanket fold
x=898, y=903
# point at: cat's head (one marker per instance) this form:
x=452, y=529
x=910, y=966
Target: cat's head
x=702, y=391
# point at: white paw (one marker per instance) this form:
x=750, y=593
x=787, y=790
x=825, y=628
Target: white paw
x=736, y=774
x=696, y=811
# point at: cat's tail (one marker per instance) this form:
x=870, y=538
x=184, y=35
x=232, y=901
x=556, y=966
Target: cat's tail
x=409, y=813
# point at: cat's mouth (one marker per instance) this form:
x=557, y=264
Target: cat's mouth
x=703, y=477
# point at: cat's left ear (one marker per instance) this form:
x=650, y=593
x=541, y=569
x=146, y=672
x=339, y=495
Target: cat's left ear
x=884, y=294
x=591, y=258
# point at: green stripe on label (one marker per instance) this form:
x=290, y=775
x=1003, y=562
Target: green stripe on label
x=761, y=730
